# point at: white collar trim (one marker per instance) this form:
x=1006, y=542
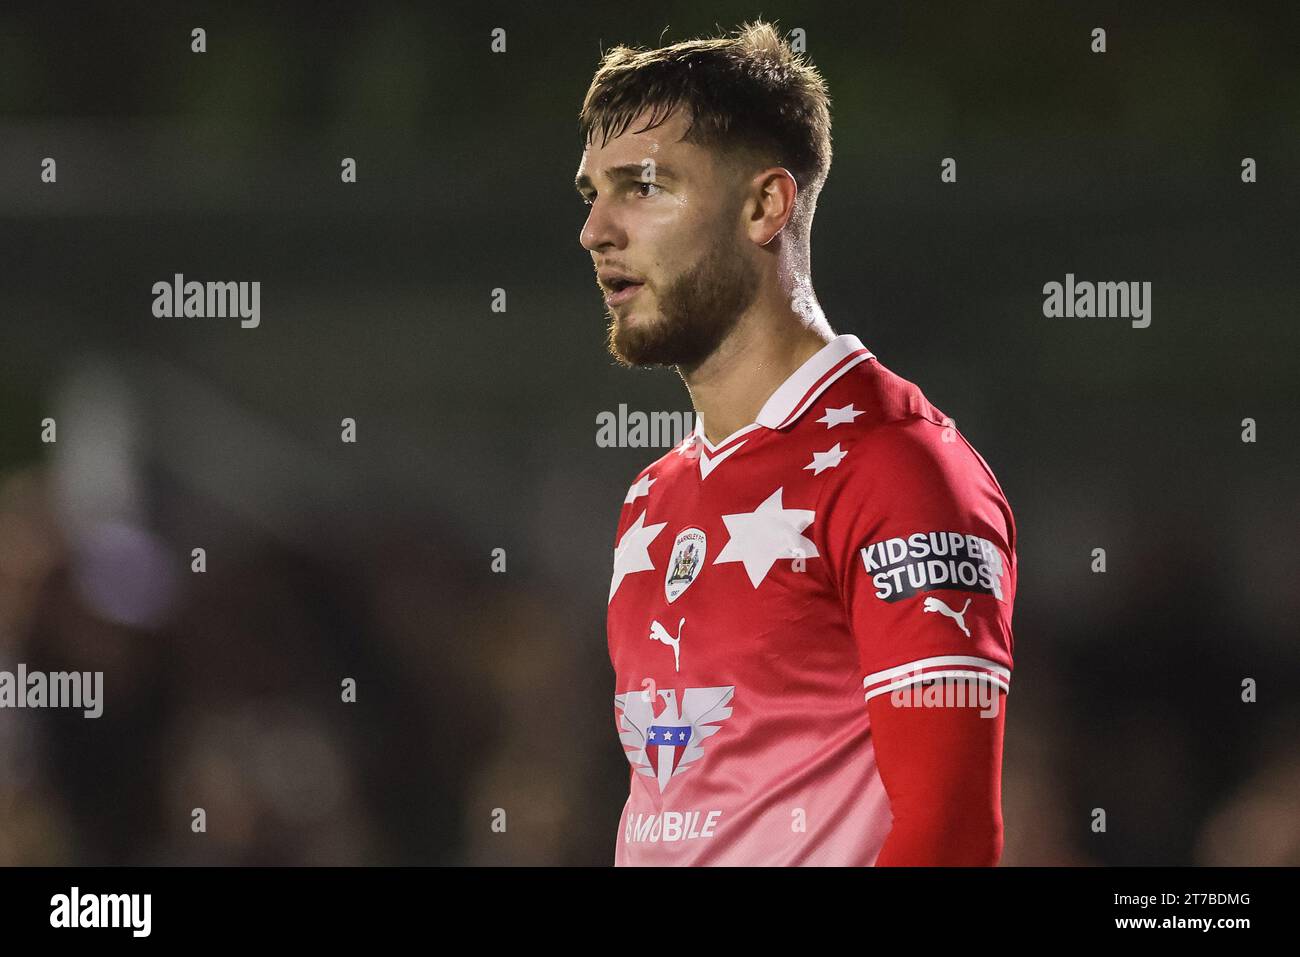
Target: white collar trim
x=793, y=397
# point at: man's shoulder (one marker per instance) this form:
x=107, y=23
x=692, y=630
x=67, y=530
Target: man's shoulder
x=905, y=466
x=876, y=418
x=895, y=437
x=870, y=396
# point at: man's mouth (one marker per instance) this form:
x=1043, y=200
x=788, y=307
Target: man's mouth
x=621, y=290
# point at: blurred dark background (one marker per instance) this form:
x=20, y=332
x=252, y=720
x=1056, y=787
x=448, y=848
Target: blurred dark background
x=476, y=429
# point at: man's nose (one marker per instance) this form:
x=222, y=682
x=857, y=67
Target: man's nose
x=600, y=231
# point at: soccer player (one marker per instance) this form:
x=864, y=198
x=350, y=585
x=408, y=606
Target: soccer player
x=810, y=610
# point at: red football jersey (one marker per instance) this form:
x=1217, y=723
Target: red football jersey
x=848, y=543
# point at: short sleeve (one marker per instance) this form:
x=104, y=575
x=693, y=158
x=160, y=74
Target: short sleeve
x=920, y=542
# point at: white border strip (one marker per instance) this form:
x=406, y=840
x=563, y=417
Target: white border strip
x=778, y=408
x=993, y=666
x=824, y=386
x=926, y=676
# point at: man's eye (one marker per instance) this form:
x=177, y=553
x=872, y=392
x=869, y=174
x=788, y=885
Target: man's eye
x=651, y=185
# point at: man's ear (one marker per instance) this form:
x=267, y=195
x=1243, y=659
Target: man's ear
x=771, y=204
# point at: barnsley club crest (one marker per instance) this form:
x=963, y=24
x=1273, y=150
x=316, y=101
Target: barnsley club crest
x=685, y=562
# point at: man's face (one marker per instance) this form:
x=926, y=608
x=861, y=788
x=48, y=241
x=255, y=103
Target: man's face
x=665, y=214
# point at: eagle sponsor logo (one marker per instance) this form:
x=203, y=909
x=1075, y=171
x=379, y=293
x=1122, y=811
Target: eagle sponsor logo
x=663, y=737
x=901, y=567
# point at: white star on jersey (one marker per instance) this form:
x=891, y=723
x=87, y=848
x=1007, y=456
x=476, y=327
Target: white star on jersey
x=826, y=460
x=640, y=487
x=834, y=417
x=633, y=552
x=760, y=537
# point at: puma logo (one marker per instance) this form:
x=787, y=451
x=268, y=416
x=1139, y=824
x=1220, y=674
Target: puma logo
x=937, y=604
x=659, y=633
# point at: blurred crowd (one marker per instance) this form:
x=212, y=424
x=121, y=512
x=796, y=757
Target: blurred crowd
x=481, y=730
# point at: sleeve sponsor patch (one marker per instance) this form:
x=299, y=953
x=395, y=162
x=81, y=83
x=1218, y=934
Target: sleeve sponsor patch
x=901, y=567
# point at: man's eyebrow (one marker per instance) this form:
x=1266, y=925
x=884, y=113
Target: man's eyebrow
x=627, y=171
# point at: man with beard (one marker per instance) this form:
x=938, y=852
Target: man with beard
x=810, y=610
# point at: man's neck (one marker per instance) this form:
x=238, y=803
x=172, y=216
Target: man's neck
x=730, y=387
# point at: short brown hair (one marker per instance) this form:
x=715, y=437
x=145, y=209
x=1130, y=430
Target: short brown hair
x=750, y=97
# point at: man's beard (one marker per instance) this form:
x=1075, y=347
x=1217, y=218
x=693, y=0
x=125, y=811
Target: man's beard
x=696, y=313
